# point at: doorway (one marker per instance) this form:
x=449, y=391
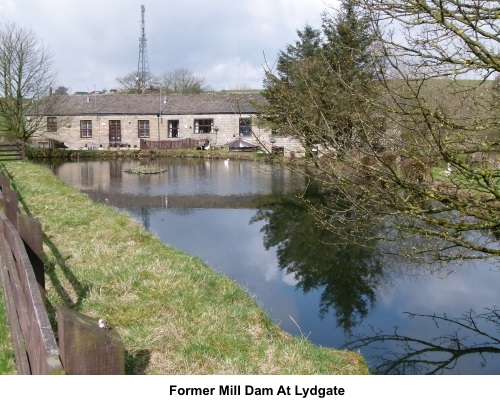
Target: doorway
x=115, y=133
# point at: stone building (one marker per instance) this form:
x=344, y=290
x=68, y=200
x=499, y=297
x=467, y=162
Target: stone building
x=96, y=121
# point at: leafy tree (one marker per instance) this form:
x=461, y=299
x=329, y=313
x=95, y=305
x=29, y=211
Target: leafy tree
x=283, y=87
x=61, y=90
x=306, y=47
x=419, y=140
x=26, y=77
x=309, y=95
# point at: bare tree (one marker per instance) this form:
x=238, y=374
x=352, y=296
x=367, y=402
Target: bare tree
x=134, y=83
x=182, y=81
x=175, y=81
x=423, y=156
x=442, y=123
x=26, y=78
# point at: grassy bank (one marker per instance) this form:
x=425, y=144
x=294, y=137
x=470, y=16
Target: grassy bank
x=175, y=314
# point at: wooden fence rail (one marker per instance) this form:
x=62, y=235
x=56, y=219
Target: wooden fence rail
x=12, y=151
x=184, y=143
x=85, y=348
x=34, y=342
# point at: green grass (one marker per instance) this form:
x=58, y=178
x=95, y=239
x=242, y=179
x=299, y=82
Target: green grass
x=145, y=169
x=7, y=359
x=175, y=314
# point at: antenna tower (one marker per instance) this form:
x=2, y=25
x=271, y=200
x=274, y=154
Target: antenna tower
x=143, y=64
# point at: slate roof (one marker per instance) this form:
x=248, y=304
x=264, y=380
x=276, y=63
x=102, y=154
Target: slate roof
x=149, y=104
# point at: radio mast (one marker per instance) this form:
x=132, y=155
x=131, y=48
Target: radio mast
x=143, y=64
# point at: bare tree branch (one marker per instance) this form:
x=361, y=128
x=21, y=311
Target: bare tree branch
x=472, y=335
x=26, y=77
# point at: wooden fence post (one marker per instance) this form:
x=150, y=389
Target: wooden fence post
x=22, y=150
x=7, y=265
x=4, y=181
x=40, y=342
x=11, y=202
x=30, y=230
x=85, y=348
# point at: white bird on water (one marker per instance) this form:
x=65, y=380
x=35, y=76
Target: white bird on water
x=226, y=162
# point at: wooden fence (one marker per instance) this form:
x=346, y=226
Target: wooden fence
x=184, y=143
x=84, y=347
x=12, y=151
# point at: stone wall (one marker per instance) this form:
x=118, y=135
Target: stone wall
x=68, y=130
x=288, y=146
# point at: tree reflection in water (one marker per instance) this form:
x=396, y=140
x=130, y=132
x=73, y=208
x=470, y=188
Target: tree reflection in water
x=472, y=334
x=347, y=272
x=347, y=264
x=348, y=267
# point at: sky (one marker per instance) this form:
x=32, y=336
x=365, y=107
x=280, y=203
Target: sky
x=227, y=42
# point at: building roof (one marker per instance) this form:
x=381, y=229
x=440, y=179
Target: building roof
x=150, y=104
x=240, y=143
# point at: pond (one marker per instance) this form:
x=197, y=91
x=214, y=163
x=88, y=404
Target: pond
x=244, y=219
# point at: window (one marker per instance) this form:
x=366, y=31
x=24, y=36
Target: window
x=245, y=127
x=85, y=129
x=205, y=126
x=52, y=124
x=173, y=128
x=143, y=128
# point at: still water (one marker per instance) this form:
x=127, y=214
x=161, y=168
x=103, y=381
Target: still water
x=244, y=220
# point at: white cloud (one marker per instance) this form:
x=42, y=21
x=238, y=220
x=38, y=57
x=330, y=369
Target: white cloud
x=234, y=73
x=223, y=40
x=289, y=278
x=7, y=7
x=465, y=289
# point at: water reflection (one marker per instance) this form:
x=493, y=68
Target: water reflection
x=191, y=183
x=471, y=334
x=347, y=274
x=244, y=221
